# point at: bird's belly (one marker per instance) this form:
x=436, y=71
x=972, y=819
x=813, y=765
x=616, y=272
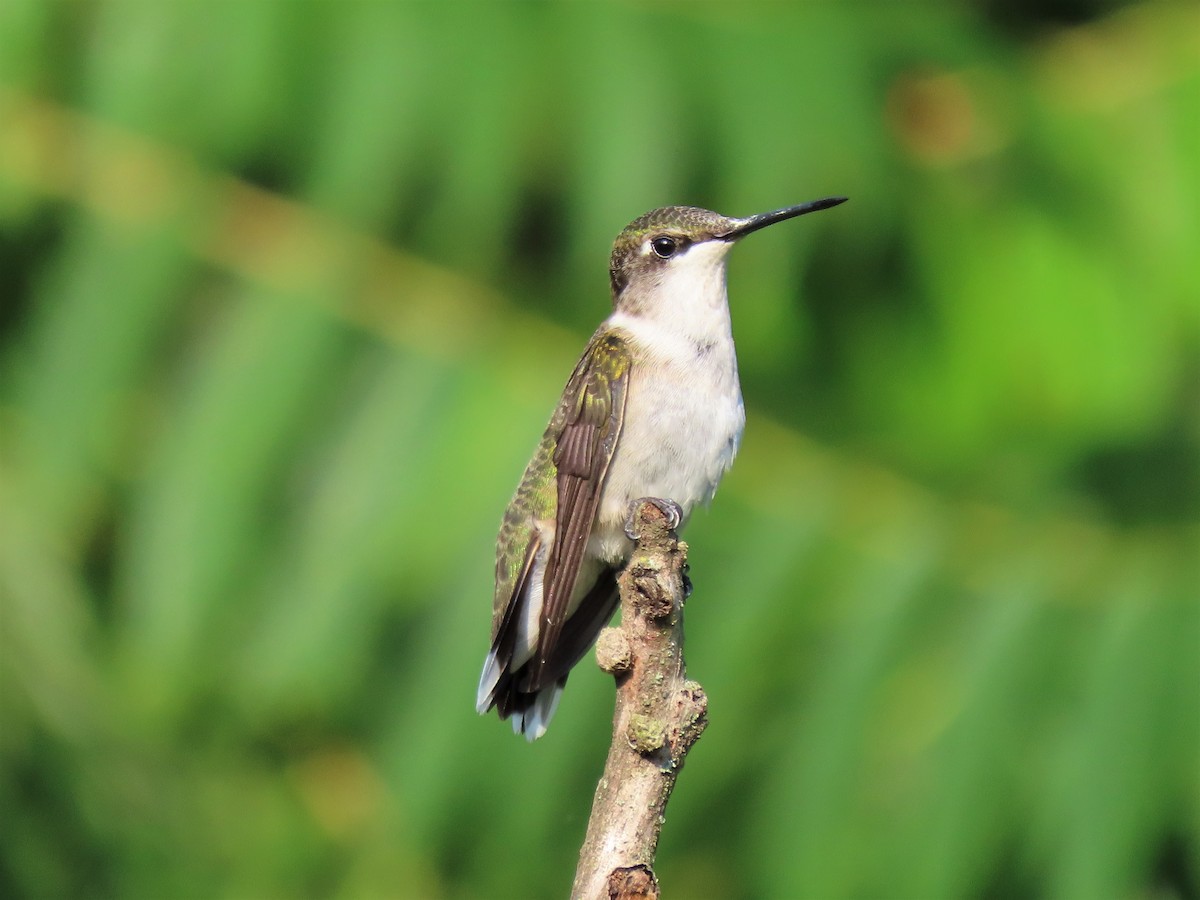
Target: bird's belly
x=680, y=435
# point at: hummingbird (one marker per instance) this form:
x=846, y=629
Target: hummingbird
x=652, y=410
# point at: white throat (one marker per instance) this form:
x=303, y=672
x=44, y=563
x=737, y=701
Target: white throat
x=687, y=303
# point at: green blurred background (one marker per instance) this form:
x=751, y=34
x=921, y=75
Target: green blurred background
x=290, y=288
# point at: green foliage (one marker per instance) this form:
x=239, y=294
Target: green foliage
x=289, y=290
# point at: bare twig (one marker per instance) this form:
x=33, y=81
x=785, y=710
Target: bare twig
x=659, y=716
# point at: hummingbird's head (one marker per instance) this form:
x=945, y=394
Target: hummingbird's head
x=679, y=252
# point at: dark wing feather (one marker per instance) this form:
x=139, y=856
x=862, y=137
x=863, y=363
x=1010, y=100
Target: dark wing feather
x=595, y=407
x=580, y=631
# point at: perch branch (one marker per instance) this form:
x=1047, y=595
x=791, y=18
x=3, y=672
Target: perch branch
x=659, y=716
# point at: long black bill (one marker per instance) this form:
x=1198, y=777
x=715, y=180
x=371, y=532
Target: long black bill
x=762, y=220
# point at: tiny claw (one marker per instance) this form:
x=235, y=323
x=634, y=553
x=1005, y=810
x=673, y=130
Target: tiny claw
x=630, y=530
x=687, y=582
x=669, y=508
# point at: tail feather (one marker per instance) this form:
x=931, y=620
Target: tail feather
x=535, y=719
x=509, y=689
x=530, y=711
x=489, y=681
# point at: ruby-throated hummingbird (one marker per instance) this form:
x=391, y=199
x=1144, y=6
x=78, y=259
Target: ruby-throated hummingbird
x=652, y=410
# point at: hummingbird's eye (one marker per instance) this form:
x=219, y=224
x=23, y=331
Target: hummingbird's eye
x=664, y=247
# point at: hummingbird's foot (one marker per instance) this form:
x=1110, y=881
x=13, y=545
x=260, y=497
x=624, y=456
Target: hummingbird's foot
x=687, y=582
x=668, y=508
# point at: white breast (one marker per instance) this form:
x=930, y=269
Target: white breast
x=683, y=422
